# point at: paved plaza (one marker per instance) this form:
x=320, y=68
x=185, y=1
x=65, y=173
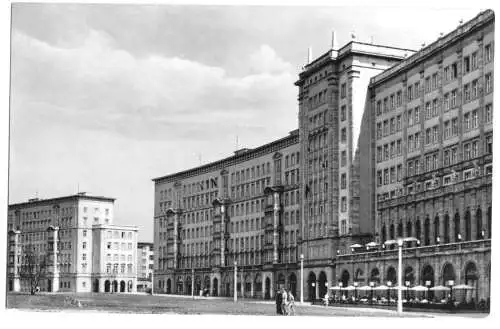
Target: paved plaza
x=162, y=304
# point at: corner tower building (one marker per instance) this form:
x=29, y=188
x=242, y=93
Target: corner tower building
x=332, y=96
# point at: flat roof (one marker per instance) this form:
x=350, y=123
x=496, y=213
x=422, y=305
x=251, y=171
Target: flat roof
x=239, y=157
x=74, y=197
x=478, y=21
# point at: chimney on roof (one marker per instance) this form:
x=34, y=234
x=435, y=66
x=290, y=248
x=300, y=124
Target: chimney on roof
x=335, y=46
x=309, y=55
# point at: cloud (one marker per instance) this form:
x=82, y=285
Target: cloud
x=96, y=86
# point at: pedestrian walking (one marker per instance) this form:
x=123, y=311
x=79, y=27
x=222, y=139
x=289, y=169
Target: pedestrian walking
x=291, y=304
x=279, y=297
x=283, y=301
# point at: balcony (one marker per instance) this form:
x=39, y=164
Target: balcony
x=415, y=252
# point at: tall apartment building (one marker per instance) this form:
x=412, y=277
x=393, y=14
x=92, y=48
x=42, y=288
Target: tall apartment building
x=75, y=234
x=431, y=120
x=145, y=261
x=243, y=209
x=391, y=143
x=332, y=96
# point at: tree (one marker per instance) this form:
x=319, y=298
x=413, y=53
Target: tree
x=33, y=267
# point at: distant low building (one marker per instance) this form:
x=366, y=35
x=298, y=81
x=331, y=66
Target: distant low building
x=76, y=238
x=145, y=261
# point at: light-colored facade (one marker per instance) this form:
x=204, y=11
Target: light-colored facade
x=65, y=231
x=145, y=263
x=242, y=209
x=332, y=97
x=431, y=120
x=348, y=176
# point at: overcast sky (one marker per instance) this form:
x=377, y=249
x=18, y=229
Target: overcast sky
x=107, y=97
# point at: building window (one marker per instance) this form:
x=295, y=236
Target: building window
x=489, y=144
x=466, y=64
x=343, y=181
x=454, y=126
x=488, y=82
x=343, y=90
x=467, y=121
x=488, y=53
x=453, y=98
x=343, y=113
x=343, y=204
x=343, y=135
x=488, y=113
x=84, y=245
x=379, y=178
x=343, y=158
x=466, y=92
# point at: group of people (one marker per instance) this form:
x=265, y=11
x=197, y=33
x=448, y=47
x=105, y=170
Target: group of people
x=285, y=302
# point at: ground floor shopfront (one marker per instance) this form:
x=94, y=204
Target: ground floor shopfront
x=259, y=282
x=464, y=265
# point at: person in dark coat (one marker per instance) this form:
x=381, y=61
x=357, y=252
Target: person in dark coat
x=278, y=302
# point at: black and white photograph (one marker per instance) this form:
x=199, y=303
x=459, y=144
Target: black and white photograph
x=306, y=160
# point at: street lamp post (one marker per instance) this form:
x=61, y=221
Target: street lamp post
x=235, y=281
x=192, y=283
x=407, y=284
x=371, y=291
x=355, y=291
x=400, y=242
x=301, y=278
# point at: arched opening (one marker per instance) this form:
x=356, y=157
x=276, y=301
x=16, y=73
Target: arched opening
x=448, y=274
x=359, y=276
x=311, y=286
x=391, y=276
x=226, y=286
x=11, y=285
x=391, y=235
x=215, y=288
x=49, y=285
x=344, y=278
x=268, y=288
x=400, y=230
x=258, y=286
x=375, y=275
x=248, y=286
x=292, y=284
x=428, y=280
x=169, y=286
x=479, y=224
x=129, y=286
x=281, y=281
x=197, y=285
x=206, y=285
x=446, y=228
x=436, y=229
x=489, y=222
x=122, y=286
x=95, y=288
x=384, y=234
x=456, y=223
x=107, y=286
x=180, y=285
x=427, y=226
x=323, y=285
x=115, y=286
x=409, y=276
x=472, y=279
x=468, y=226
x=409, y=231
x=418, y=230
x=189, y=286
